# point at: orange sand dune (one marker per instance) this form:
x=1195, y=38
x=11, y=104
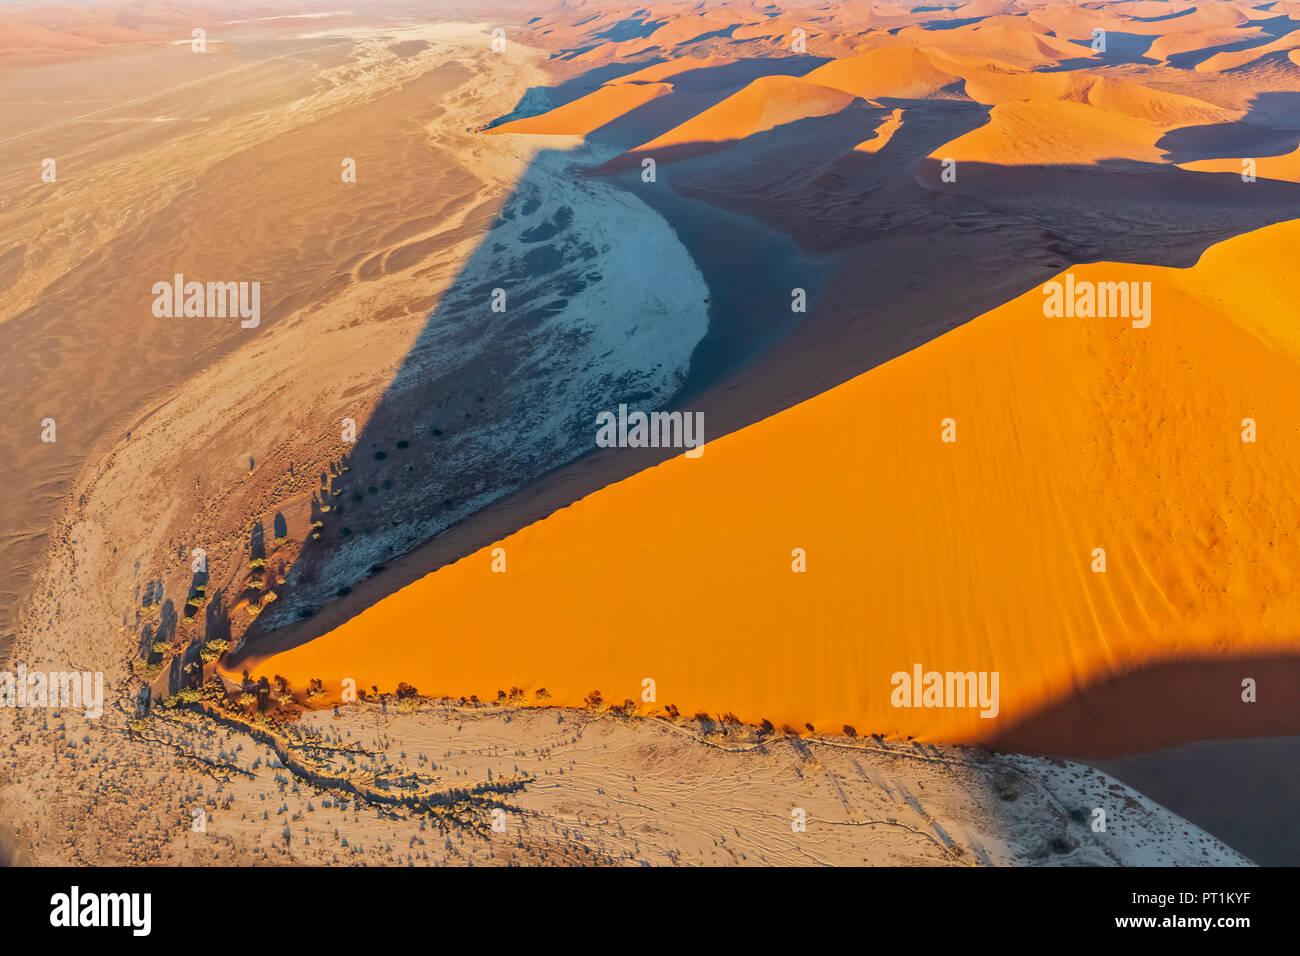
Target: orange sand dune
x=883, y=134
x=1072, y=434
x=993, y=86
x=675, y=32
x=1165, y=109
x=1074, y=23
x=767, y=102
x=1145, y=18
x=659, y=72
x=590, y=112
x=1014, y=43
x=1054, y=132
x=1285, y=167
x=897, y=71
x=1235, y=59
x=777, y=29
x=1166, y=46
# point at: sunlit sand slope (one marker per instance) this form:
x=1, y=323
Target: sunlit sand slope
x=590, y=112
x=765, y=103
x=1073, y=434
x=1050, y=132
x=1285, y=167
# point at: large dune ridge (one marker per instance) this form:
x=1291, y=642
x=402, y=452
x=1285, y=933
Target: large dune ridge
x=1285, y=167
x=1055, y=132
x=585, y=115
x=768, y=102
x=1073, y=434
x=900, y=71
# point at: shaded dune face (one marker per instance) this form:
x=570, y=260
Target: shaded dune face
x=1073, y=434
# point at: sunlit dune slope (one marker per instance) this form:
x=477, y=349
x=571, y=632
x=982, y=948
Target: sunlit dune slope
x=890, y=125
x=659, y=72
x=1053, y=132
x=1072, y=434
x=1003, y=37
x=1286, y=167
x=1235, y=59
x=1166, y=46
x=892, y=71
x=588, y=113
x=993, y=86
x=767, y=102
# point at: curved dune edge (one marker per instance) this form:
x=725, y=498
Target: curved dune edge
x=1285, y=167
x=1072, y=434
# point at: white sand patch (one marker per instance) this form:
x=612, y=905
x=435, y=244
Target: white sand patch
x=603, y=306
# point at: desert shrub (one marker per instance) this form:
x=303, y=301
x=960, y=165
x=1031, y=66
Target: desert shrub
x=594, y=700
x=850, y=730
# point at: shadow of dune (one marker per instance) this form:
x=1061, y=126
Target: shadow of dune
x=1136, y=212
x=1273, y=28
x=487, y=401
x=1121, y=49
x=1245, y=792
x=1164, y=704
x=1234, y=778
x=1271, y=127
x=1226, y=141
